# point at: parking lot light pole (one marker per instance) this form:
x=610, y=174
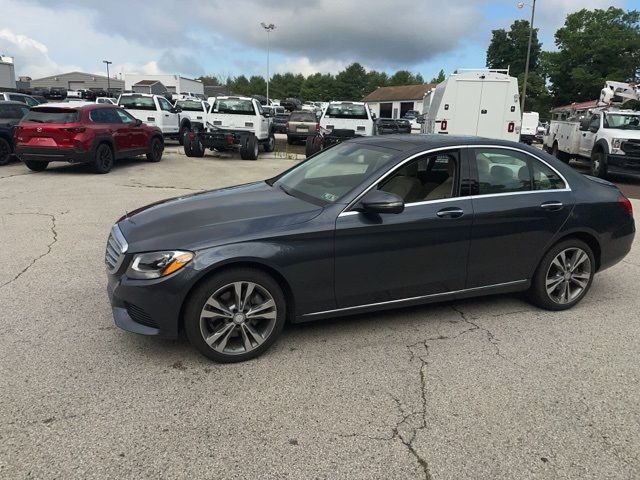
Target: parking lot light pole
x=108, y=82
x=268, y=27
x=526, y=66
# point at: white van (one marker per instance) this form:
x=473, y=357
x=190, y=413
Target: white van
x=529, y=129
x=484, y=103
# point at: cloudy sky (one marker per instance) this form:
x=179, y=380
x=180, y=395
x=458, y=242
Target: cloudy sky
x=224, y=37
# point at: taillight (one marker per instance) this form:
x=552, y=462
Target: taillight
x=625, y=203
x=286, y=125
x=73, y=129
x=511, y=127
x=443, y=125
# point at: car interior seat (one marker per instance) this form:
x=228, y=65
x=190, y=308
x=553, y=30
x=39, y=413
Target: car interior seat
x=445, y=189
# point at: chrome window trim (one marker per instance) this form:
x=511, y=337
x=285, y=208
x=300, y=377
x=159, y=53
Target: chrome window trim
x=420, y=297
x=346, y=212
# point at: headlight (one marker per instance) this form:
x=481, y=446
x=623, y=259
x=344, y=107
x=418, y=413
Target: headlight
x=616, y=142
x=157, y=264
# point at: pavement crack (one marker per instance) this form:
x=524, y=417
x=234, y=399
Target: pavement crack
x=49, y=246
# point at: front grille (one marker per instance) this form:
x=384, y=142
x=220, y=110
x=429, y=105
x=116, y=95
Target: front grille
x=631, y=147
x=138, y=315
x=116, y=248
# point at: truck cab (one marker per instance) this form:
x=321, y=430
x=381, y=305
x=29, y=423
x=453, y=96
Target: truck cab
x=154, y=110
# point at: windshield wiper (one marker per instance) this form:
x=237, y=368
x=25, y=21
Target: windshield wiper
x=285, y=190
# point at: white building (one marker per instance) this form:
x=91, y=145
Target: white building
x=174, y=83
x=7, y=73
x=394, y=102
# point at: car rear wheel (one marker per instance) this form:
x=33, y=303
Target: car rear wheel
x=36, y=166
x=155, y=150
x=5, y=152
x=564, y=276
x=249, y=148
x=235, y=315
x=313, y=145
x=103, y=162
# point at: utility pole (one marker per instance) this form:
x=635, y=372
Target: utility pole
x=269, y=28
x=526, y=66
x=108, y=82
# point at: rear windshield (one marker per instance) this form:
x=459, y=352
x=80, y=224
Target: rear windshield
x=235, y=106
x=135, y=102
x=302, y=117
x=347, y=110
x=190, y=105
x=12, y=111
x=282, y=116
x=51, y=115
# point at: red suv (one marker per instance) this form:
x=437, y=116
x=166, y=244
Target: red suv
x=84, y=133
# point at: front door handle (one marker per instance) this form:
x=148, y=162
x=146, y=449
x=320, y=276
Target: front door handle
x=450, y=212
x=551, y=206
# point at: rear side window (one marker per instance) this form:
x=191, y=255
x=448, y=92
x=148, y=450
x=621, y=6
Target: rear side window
x=13, y=112
x=164, y=104
x=544, y=178
x=135, y=102
x=51, y=115
x=302, y=117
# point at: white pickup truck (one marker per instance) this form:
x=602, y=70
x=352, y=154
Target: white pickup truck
x=232, y=123
x=194, y=112
x=608, y=138
x=155, y=110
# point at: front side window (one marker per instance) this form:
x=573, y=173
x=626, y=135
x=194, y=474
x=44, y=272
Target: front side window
x=234, y=106
x=331, y=174
x=104, y=115
x=164, y=104
x=190, y=105
x=594, y=124
x=124, y=116
x=432, y=177
x=18, y=98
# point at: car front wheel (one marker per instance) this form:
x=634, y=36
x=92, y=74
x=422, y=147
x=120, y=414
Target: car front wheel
x=5, y=152
x=598, y=164
x=564, y=276
x=235, y=315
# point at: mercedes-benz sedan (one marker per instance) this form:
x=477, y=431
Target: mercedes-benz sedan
x=369, y=224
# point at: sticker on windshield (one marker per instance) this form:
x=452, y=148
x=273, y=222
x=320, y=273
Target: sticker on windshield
x=330, y=197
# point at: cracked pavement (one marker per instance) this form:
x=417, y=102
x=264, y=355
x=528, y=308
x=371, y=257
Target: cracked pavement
x=488, y=388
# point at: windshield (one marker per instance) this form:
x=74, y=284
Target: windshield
x=346, y=110
x=621, y=121
x=51, y=115
x=331, y=174
x=136, y=102
x=302, y=117
x=235, y=106
x=190, y=105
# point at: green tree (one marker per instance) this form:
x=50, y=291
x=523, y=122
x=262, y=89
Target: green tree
x=375, y=79
x=594, y=46
x=317, y=87
x=508, y=49
x=351, y=83
x=257, y=86
x=404, y=77
x=238, y=85
x=209, y=80
x=440, y=78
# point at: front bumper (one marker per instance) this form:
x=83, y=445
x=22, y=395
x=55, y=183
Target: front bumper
x=53, y=154
x=623, y=163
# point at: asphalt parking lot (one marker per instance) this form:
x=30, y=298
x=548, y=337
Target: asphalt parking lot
x=489, y=388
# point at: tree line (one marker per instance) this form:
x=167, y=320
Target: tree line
x=352, y=83
x=591, y=47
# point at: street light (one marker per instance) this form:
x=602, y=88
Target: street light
x=526, y=66
x=268, y=27
x=108, y=83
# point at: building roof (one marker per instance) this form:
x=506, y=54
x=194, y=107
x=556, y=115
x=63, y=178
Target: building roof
x=79, y=73
x=577, y=106
x=403, y=92
x=147, y=82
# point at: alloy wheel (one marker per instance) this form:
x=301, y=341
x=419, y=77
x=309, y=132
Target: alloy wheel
x=238, y=318
x=568, y=275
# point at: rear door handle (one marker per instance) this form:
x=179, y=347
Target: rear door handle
x=450, y=212
x=552, y=206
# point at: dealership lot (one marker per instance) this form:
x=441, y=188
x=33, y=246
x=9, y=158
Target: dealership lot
x=485, y=388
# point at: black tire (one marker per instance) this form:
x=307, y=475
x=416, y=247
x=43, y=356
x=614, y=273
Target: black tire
x=270, y=144
x=538, y=294
x=599, y=166
x=312, y=145
x=103, y=160
x=156, y=147
x=249, y=148
x=5, y=152
x=196, y=147
x=36, y=166
x=562, y=156
x=185, y=129
x=196, y=331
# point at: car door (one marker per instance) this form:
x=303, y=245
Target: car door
x=421, y=251
x=137, y=133
x=108, y=123
x=170, y=119
x=520, y=203
x=587, y=137
x=262, y=132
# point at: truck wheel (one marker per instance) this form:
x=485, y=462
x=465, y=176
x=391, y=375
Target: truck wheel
x=183, y=131
x=249, y=148
x=562, y=156
x=103, y=161
x=599, y=164
x=155, y=150
x=36, y=166
x=196, y=148
x=313, y=145
x=270, y=144
x=5, y=152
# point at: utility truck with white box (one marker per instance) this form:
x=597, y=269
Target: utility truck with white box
x=483, y=103
x=606, y=135
x=154, y=110
x=232, y=123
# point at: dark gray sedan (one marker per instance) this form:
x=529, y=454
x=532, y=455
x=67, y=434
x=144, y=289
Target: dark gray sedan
x=369, y=224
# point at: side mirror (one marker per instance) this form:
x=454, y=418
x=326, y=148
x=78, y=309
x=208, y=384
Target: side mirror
x=584, y=124
x=379, y=201
x=420, y=120
x=177, y=109
x=138, y=122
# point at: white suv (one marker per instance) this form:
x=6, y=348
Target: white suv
x=154, y=110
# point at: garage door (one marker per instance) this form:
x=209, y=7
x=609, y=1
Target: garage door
x=76, y=85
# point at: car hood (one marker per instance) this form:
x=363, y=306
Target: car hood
x=216, y=217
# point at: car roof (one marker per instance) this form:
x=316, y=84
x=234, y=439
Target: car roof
x=75, y=105
x=12, y=102
x=238, y=97
x=410, y=141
